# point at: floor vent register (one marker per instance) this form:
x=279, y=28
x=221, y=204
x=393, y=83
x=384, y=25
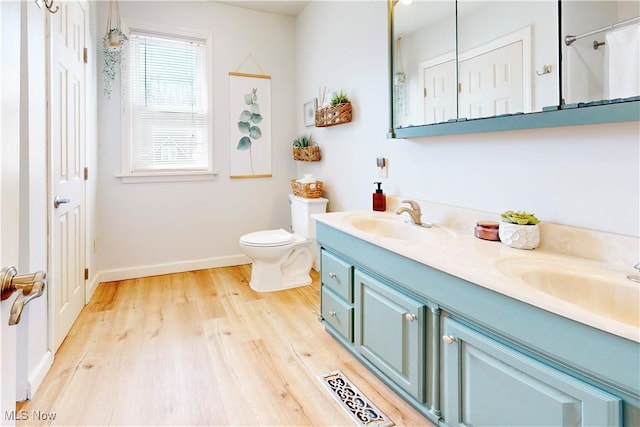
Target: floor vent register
x=362, y=411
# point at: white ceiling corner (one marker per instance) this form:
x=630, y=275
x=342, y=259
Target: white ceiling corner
x=284, y=7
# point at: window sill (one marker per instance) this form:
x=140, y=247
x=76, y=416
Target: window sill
x=178, y=176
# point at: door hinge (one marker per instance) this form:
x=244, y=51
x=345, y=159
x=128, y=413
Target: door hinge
x=86, y=274
x=425, y=92
x=86, y=173
x=459, y=87
x=85, y=55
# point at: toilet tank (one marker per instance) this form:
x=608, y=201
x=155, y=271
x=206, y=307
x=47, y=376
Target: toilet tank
x=301, y=210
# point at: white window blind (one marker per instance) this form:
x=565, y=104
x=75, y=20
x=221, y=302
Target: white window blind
x=168, y=104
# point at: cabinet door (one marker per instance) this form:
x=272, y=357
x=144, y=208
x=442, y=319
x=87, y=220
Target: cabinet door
x=488, y=384
x=389, y=330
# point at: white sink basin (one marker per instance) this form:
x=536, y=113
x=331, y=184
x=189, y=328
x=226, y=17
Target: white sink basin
x=597, y=290
x=388, y=226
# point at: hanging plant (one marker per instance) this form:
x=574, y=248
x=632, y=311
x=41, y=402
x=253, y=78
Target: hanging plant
x=113, y=49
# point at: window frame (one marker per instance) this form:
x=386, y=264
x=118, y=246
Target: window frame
x=126, y=174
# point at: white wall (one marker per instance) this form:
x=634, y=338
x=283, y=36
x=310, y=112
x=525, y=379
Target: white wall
x=92, y=73
x=586, y=176
x=184, y=225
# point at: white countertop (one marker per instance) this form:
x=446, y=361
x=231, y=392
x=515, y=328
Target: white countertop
x=459, y=253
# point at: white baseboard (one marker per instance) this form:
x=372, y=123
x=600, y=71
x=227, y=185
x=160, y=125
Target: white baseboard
x=37, y=376
x=167, y=268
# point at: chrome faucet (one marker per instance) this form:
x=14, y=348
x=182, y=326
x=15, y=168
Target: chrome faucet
x=414, y=212
x=635, y=277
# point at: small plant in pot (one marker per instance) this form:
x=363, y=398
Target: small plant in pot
x=519, y=229
x=339, y=98
x=113, y=50
x=305, y=149
x=302, y=141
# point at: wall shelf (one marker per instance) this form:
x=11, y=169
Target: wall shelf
x=608, y=113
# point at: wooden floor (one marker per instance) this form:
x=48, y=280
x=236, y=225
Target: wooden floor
x=201, y=348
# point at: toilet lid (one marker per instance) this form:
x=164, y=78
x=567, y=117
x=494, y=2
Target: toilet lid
x=267, y=238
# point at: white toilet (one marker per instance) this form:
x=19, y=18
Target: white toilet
x=282, y=260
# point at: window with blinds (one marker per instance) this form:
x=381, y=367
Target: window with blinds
x=168, y=111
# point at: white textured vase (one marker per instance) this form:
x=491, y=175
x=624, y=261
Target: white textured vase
x=519, y=236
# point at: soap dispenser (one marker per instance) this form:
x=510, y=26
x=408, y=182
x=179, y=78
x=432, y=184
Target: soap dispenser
x=379, y=199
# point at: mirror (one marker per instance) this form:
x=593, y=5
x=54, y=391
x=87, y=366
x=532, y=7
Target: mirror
x=507, y=57
x=601, y=50
x=453, y=62
x=425, y=70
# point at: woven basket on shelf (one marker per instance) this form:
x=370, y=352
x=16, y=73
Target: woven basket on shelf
x=308, y=154
x=331, y=116
x=311, y=190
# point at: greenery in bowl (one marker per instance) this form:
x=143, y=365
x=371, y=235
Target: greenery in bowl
x=113, y=50
x=339, y=98
x=521, y=218
x=302, y=141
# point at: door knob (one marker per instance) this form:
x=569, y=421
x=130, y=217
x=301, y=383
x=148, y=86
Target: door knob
x=449, y=339
x=31, y=286
x=57, y=201
x=410, y=317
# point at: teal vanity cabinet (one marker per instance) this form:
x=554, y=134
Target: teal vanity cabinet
x=389, y=332
x=463, y=354
x=486, y=383
x=336, y=295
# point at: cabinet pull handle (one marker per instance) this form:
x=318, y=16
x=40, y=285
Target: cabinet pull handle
x=448, y=339
x=410, y=317
x=332, y=275
x=332, y=313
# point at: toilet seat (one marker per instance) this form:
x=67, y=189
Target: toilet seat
x=267, y=238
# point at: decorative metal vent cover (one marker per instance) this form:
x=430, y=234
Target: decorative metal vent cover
x=362, y=411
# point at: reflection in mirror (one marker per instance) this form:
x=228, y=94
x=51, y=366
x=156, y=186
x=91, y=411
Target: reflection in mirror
x=424, y=75
x=507, y=57
x=601, y=50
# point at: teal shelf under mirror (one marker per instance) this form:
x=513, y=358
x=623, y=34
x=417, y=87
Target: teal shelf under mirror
x=610, y=113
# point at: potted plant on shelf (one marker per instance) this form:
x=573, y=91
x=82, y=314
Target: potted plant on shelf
x=339, y=98
x=305, y=149
x=519, y=230
x=337, y=113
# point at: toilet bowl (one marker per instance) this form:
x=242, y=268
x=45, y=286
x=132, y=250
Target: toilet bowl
x=282, y=260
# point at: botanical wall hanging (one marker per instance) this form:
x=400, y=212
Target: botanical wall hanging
x=250, y=125
x=113, y=48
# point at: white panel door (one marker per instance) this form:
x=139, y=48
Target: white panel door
x=492, y=83
x=66, y=279
x=9, y=193
x=439, y=92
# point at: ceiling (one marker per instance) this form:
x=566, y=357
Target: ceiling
x=286, y=7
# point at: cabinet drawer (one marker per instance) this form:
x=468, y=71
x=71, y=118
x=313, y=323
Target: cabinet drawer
x=337, y=274
x=337, y=313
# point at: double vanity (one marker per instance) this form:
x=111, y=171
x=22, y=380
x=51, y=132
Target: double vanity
x=474, y=332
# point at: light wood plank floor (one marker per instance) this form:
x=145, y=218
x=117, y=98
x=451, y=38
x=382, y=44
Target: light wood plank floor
x=202, y=348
